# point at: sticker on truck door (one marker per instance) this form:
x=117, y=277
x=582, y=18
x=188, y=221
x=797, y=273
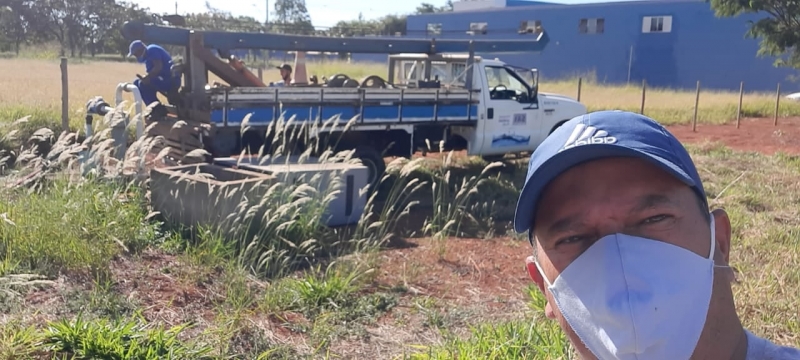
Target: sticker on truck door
x=504, y=120
x=520, y=119
x=510, y=140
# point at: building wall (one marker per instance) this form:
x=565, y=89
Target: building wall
x=699, y=46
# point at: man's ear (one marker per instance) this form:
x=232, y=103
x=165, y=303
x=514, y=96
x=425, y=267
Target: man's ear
x=722, y=233
x=533, y=272
x=536, y=276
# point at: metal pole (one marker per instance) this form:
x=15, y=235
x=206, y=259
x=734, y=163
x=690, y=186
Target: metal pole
x=64, y=95
x=739, y=109
x=580, y=80
x=630, y=63
x=777, y=103
x=696, y=105
x=266, y=19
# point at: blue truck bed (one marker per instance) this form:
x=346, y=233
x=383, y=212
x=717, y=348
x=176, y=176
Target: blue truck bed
x=229, y=107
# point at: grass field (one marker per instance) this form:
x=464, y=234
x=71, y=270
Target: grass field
x=87, y=270
x=33, y=87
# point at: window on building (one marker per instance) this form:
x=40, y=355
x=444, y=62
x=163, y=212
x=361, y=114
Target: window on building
x=478, y=28
x=657, y=24
x=434, y=29
x=592, y=26
x=530, y=27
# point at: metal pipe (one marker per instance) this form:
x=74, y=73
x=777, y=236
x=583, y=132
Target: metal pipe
x=89, y=130
x=137, y=97
x=223, y=40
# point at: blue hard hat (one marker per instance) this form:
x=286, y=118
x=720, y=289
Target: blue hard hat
x=599, y=135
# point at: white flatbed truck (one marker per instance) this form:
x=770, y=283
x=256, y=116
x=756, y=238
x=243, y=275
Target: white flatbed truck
x=432, y=92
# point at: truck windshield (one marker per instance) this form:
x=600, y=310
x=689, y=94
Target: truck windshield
x=502, y=76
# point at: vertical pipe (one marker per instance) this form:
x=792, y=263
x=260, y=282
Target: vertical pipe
x=88, y=124
x=696, y=106
x=739, y=109
x=777, y=103
x=64, y=95
x=630, y=63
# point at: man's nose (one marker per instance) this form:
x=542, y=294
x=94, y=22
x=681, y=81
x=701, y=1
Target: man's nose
x=605, y=222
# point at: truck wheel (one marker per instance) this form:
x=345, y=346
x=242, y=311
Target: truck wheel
x=373, y=160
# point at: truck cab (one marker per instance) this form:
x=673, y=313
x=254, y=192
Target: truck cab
x=513, y=116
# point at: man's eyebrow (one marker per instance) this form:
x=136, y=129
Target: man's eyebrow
x=651, y=201
x=563, y=225
x=646, y=202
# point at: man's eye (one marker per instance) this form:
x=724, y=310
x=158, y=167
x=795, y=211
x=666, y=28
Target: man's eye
x=571, y=240
x=655, y=219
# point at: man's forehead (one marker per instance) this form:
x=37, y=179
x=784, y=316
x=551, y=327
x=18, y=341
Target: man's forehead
x=653, y=186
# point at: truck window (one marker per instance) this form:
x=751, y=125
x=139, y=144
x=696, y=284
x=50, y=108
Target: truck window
x=500, y=76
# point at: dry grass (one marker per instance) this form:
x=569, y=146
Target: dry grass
x=33, y=87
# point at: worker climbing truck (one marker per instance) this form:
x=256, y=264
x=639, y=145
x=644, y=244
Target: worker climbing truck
x=434, y=90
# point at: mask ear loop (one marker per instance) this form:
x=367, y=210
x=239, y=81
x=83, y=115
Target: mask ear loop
x=714, y=246
x=541, y=272
x=713, y=238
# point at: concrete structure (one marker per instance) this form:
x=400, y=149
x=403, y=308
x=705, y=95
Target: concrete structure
x=206, y=195
x=668, y=43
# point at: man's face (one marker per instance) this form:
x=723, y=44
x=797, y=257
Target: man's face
x=139, y=53
x=284, y=73
x=616, y=195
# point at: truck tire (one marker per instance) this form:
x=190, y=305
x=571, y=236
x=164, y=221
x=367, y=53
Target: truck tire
x=373, y=160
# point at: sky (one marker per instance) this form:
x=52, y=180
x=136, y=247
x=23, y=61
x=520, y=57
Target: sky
x=323, y=12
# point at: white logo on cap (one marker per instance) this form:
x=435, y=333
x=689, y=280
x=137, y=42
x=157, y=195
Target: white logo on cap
x=585, y=135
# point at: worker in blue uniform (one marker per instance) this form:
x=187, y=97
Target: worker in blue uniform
x=158, y=64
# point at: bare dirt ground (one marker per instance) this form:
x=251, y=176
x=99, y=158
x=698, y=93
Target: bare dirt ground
x=753, y=134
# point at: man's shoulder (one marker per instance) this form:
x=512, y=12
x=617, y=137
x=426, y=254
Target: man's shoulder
x=156, y=49
x=762, y=349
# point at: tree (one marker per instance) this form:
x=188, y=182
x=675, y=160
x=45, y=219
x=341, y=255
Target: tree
x=779, y=30
x=292, y=17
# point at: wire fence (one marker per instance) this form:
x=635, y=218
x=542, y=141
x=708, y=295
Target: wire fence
x=680, y=106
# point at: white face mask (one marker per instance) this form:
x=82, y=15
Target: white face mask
x=634, y=298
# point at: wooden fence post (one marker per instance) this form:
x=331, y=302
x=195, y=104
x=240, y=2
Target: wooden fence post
x=580, y=82
x=777, y=103
x=644, y=91
x=696, y=106
x=64, y=95
x=739, y=109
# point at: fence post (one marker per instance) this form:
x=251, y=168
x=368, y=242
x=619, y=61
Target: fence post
x=777, y=103
x=260, y=73
x=644, y=91
x=739, y=109
x=580, y=82
x=64, y=95
x=696, y=106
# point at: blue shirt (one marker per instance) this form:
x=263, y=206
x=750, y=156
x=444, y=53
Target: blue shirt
x=155, y=52
x=761, y=349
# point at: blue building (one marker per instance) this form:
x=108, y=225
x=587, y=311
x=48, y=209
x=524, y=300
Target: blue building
x=668, y=43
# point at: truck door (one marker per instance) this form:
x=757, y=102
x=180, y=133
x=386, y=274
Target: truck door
x=511, y=118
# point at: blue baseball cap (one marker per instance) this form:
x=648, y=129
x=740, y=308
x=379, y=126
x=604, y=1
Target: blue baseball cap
x=600, y=135
x=135, y=45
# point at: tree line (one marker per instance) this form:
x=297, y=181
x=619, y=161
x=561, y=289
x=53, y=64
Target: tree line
x=91, y=27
